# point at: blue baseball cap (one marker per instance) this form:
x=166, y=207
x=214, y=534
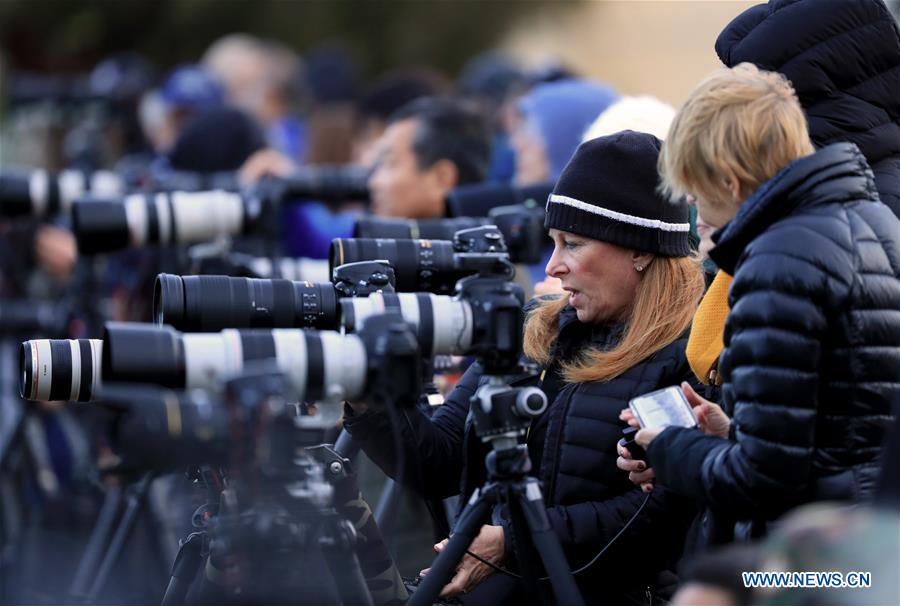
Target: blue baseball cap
x=190, y=87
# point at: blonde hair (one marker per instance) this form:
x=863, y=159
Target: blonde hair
x=665, y=302
x=741, y=119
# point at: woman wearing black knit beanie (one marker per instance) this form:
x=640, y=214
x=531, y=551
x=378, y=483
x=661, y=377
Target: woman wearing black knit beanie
x=622, y=254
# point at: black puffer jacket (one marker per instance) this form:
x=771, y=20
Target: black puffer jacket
x=812, y=345
x=843, y=58
x=589, y=499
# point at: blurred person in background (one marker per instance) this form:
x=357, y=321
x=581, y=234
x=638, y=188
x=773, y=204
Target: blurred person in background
x=371, y=115
x=185, y=92
x=265, y=79
x=309, y=227
x=490, y=81
x=384, y=98
x=219, y=139
x=552, y=119
x=107, y=137
x=811, y=359
x=430, y=146
x=332, y=77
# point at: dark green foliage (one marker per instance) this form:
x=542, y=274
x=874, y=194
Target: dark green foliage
x=73, y=35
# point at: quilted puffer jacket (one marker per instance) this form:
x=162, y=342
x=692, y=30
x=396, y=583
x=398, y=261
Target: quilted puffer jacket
x=843, y=58
x=811, y=363
x=589, y=500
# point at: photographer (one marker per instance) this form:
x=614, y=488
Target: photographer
x=431, y=145
x=812, y=341
x=622, y=254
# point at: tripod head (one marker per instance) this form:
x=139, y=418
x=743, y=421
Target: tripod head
x=502, y=414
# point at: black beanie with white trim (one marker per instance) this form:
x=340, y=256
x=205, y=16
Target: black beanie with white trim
x=608, y=191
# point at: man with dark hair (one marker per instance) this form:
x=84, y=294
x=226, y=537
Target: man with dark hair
x=431, y=145
x=382, y=99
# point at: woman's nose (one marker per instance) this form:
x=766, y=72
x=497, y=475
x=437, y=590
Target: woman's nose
x=555, y=267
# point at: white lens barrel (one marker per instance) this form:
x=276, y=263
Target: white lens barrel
x=452, y=325
x=448, y=323
x=345, y=366
x=210, y=358
x=61, y=369
x=136, y=216
x=205, y=216
x=290, y=350
x=39, y=191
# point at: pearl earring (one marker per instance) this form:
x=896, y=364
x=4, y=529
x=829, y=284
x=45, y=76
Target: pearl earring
x=639, y=267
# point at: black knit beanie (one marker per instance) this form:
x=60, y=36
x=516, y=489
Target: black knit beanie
x=608, y=192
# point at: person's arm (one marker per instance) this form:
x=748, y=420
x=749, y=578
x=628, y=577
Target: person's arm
x=773, y=337
x=433, y=445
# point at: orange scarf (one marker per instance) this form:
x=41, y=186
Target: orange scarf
x=705, y=343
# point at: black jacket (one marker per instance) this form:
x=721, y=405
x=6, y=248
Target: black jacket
x=843, y=58
x=589, y=499
x=812, y=345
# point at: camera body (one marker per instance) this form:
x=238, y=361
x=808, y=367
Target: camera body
x=522, y=228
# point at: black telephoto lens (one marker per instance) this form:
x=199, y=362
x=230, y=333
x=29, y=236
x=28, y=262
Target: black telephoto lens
x=163, y=430
x=419, y=265
x=212, y=303
x=432, y=229
x=60, y=369
x=143, y=353
x=16, y=197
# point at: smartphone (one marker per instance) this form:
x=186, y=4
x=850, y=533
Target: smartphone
x=663, y=408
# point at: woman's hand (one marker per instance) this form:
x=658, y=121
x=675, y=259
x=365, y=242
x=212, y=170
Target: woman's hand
x=710, y=417
x=645, y=436
x=638, y=472
x=490, y=545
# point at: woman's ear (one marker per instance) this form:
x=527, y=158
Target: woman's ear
x=641, y=260
x=733, y=185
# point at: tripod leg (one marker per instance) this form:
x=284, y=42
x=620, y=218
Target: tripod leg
x=547, y=545
x=185, y=569
x=380, y=572
x=340, y=556
x=387, y=505
x=468, y=525
x=526, y=555
x=346, y=446
x=134, y=501
x=103, y=527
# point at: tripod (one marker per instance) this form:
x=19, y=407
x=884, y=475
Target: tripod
x=501, y=415
x=276, y=549
x=108, y=539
